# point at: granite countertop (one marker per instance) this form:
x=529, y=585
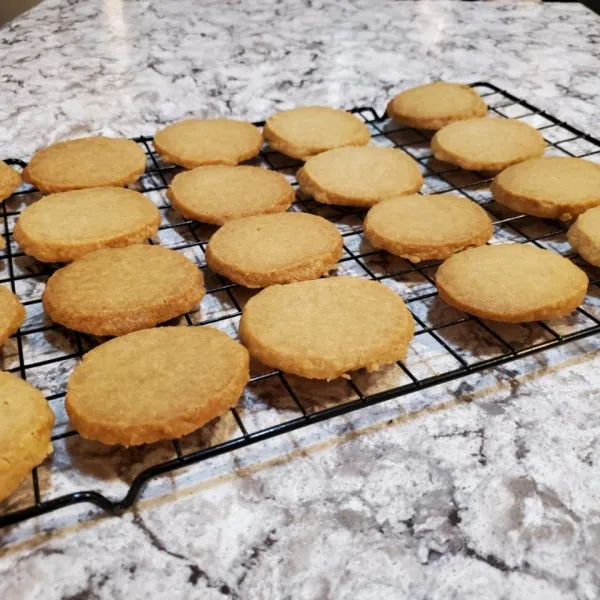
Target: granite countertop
x=482, y=488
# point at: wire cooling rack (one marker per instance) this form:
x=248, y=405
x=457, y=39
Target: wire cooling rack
x=448, y=344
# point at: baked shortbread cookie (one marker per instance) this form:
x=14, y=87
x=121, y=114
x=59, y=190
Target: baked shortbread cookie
x=119, y=290
x=513, y=283
x=552, y=187
x=325, y=328
x=26, y=423
x=435, y=105
x=10, y=180
x=427, y=227
x=487, y=144
x=217, y=194
x=198, y=142
x=309, y=130
x=66, y=226
x=359, y=176
x=12, y=314
x=269, y=249
x=584, y=235
x=156, y=384
x=85, y=163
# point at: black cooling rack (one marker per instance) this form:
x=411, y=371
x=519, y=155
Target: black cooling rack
x=448, y=344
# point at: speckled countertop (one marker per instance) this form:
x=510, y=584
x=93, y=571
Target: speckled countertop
x=483, y=488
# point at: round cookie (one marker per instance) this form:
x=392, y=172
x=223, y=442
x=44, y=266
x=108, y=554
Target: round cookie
x=217, y=194
x=12, y=314
x=487, y=144
x=427, y=227
x=66, y=226
x=584, y=235
x=118, y=290
x=552, y=187
x=156, y=384
x=10, y=180
x=269, y=249
x=435, y=105
x=85, y=163
x=324, y=328
x=513, y=283
x=359, y=176
x=26, y=423
x=309, y=130
x=198, y=142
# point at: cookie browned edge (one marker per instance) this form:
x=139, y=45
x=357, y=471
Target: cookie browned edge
x=310, y=188
x=419, y=252
x=64, y=252
x=134, y=435
x=28, y=455
x=550, y=311
x=581, y=242
x=127, y=321
x=324, y=368
x=280, y=145
x=11, y=186
x=190, y=164
x=436, y=123
x=538, y=207
x=17, y=321
x=464, y=163
x=301, y=270
x=281, y=206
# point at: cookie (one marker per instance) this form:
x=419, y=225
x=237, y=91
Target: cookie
x=427, y=227
x=435, y=105
x=156, y=384
x=118, y=290
x=217, y=194
x=66, y=226
x=584, y=235
x=487, y=144
x=268, y=249
x=198, y=142
x=10, y=180
x=513, y=283
x=324, y=328
x=309, y=130
x=551, y=187
x=85, y=163
x=359, y=176
x=12, y=314
x=26, y=422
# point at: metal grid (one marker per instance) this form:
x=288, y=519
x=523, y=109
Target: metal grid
x=448, y=344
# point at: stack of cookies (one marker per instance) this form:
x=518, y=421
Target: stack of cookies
x=149, y=383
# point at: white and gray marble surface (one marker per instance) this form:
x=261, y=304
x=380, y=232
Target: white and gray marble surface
x=484, y=488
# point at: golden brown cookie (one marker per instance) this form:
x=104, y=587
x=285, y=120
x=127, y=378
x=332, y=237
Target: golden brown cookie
x=26, y=422
x=513, y=283
x=427, y=227
x=268, y=249
x=85, y=163
x=584, y=235
x=435, y=105
x=64, y=227
x=10, y=180
x=309, y=130
x=198, y=142
x=487, y=144
x=156, y=384
x=552, y=187
x=324, y=328
x=12, y=314
x=359, y=176
x=118, y=290
x=218, y=194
